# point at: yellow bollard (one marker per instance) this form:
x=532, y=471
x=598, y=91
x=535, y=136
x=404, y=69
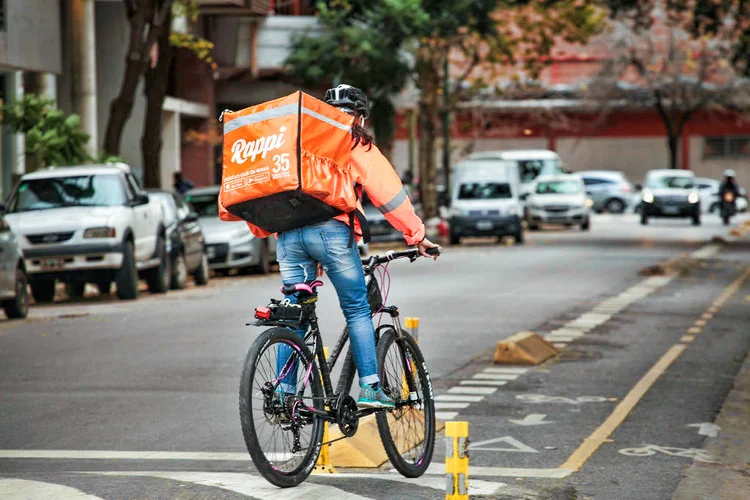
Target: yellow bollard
x=456, y=460
x=412, y=324
x=323, y=464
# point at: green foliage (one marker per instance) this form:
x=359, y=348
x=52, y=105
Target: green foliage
x=52, y=137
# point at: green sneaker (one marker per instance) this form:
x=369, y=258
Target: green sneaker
x=370, y=398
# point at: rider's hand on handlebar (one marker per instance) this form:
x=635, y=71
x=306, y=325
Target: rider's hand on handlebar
x=423, y=245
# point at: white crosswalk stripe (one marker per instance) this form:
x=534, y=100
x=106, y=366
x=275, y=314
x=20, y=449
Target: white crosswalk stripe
x=24, y=489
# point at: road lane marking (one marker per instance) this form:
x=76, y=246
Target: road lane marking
x=472, y=390
x=512, y=371
x=512, y=445
x=24, y=489
x=567, y=332
x=652, y=449
x=709, y=429
x=687, y=338
x=706, y=252
x=553, y=339
x=695, y=330
x=476, y=487
x=448, y=405
x=484, y=382
x=496, y=376
x=531, y=419
x=438, y=469
x=464, y=398
x=122, y=455
x=446, y=415
x=247, y=484
x=621, y=411
x=543, y=398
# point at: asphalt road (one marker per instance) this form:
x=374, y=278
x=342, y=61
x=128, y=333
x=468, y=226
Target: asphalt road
x=160, y=375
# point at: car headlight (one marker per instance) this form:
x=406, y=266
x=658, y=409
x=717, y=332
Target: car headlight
x=100, y=232
x=589, y=202
x=648, y=197
x=693, y=198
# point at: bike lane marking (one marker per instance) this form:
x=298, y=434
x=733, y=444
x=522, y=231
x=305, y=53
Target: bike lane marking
x=23, y=489
x=623, y=409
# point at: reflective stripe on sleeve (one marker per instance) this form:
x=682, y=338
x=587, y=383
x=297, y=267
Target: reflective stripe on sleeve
x=395, y=202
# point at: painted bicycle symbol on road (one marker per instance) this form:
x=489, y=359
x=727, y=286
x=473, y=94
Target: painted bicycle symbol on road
x=652, y=449
x=541, y=398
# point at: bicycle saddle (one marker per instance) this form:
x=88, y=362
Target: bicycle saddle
x=301, y=287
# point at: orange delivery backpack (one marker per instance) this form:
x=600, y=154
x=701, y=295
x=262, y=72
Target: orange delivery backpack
x=286, y=165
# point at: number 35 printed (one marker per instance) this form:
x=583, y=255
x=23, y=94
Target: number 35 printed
x=282, y=163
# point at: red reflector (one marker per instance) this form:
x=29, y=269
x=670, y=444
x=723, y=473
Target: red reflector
x=262, y=312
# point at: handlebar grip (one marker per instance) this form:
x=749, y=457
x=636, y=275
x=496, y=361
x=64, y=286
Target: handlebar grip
x=434, y=251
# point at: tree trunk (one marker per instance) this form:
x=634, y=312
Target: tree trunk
x=136, y=63
x=673, y=141
x=156, y=91
x=429, y=123
x=383, y=119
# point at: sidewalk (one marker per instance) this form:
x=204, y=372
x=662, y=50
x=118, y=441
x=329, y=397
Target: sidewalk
x=730, y=478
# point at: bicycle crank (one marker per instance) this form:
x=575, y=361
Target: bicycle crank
x=346, y=415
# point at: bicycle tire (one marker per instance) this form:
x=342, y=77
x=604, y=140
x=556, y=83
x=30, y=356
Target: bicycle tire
x=251, y=399
x=413, y=458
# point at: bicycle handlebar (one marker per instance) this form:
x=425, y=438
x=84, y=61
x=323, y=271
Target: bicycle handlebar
x=411, y=254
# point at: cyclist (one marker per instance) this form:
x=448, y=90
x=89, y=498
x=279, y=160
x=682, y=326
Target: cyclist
x=729, y=184
x=304, y=253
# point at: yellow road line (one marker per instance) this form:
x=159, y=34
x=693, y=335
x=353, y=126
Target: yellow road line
x=622, y=410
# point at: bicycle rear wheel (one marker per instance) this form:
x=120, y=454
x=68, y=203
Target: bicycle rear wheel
x=282, y=435
x=408, y=432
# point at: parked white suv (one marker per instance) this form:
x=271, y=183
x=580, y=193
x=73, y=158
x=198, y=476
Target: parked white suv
x=88, y=224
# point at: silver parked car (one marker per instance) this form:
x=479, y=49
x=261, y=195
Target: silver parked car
x=558, y=200
x=14, y=293
x=230, y=245
x=609, y=190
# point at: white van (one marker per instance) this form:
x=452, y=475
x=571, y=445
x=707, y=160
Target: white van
x=485, y=200
x=531, y=164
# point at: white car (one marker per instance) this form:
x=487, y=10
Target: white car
x=88, y=224
x=14, y=294
x=558, y=200
x=230, y=245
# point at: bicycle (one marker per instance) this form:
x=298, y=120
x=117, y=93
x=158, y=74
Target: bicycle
x=295, y=420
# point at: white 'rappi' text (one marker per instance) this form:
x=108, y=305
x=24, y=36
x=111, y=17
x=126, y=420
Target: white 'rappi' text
x=242, y=149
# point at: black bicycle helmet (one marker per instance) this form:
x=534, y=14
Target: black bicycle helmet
x=350, y=99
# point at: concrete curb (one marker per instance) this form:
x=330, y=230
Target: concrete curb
x=729, y=478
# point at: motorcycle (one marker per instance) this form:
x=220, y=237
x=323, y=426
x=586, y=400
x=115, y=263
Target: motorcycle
x=728, y=207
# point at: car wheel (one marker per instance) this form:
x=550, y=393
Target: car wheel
x=179, y=277
x=127, y=275
x=615, y=206
x=585, y=226
x=43, y=290
x=158, y=278
x=75, y=289
x=18, y=307
x=696, y=220
x=644, y=219
x=264, y=266
x=201, y=275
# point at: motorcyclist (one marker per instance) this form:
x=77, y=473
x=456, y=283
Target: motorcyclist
x=729, y=184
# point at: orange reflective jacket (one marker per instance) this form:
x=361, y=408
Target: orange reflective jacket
x=372, y=170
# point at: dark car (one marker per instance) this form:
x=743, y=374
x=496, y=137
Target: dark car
x=186, y=245
x=380, y=229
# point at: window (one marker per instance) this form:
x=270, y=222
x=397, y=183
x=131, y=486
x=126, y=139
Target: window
x=531, y=169
x=484, y=191
x=590, y=181
x=726, y=147
x=558, y=187
x=58, y=192
x=205, y=205
x=670, y=181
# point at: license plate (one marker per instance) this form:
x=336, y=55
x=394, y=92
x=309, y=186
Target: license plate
x=211, y=252
x=484, y=225
x=52, y=263
x=671, y=210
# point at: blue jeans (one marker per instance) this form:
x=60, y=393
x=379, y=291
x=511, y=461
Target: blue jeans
x=298, y=252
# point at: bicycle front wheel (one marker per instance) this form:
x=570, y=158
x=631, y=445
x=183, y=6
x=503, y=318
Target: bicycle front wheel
x=279, y=386
x=408, y=432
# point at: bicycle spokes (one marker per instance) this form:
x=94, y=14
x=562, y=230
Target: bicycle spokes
x=280, y=398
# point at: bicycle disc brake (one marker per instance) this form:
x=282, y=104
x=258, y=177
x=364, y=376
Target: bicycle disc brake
x=346, y=415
